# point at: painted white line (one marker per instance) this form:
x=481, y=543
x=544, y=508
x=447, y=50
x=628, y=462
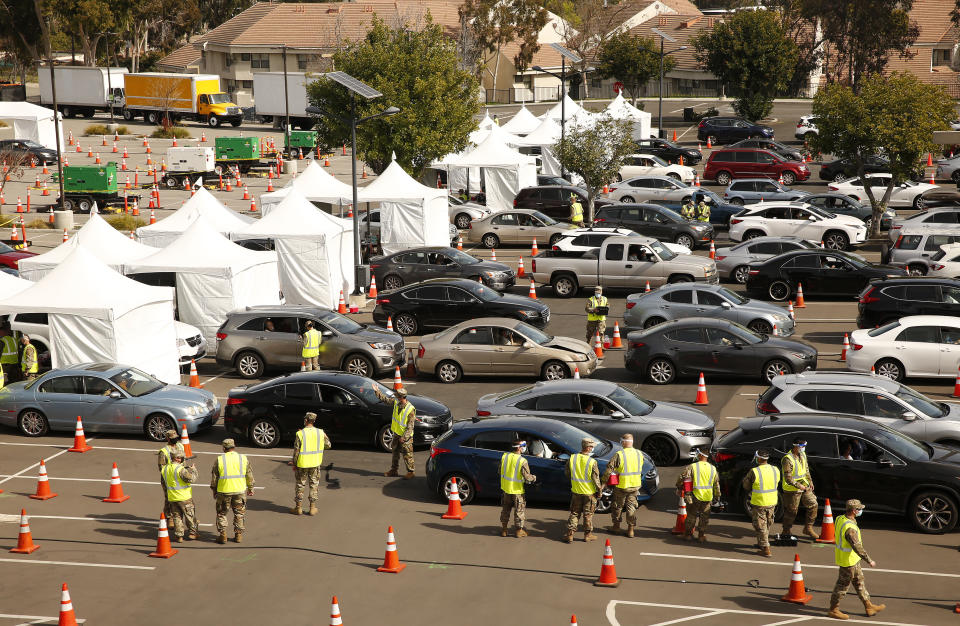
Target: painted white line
x=611, y=613
x=803, y=618
x=37, y=464
x=106, y=565
x=749, y=394
x=97, y=480
x=153, y=450
x=36, y=619
x=827, y=319
x=730, y=417
x=6, y=517
x=688, y=619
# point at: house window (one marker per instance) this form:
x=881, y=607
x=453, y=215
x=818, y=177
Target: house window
x=302, y=60
x=246, y=84
x=260, y=61
x=228, y=59
x=941, y=56
x=245, y=56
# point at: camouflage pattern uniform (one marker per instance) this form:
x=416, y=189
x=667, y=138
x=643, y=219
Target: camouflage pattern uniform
x=400, y=445
x=595, y=327
x=582, y=505
x=516, y=502
x=762, y=516
x=793, y=500
x=236, y=501
x=163, y=457
x=307, y=475
x=624, y=500
x=698, y=511
x=854, y=574
x=184, y=513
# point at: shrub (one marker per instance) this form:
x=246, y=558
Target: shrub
x=174, y=131
x=96, y=129
x=39, y=223
x=125, y=223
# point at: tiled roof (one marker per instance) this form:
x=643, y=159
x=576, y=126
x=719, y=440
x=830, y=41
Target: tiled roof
x=933, y=18
x=181, y=59
x=682, y=28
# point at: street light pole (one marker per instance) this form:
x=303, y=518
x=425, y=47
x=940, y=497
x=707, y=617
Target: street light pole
x=563, y=107
x=286, y=100
x=357, y=289
x=56, y=128
x=660, y=94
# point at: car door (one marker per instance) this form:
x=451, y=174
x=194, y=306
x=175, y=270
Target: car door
x=504, y=226
x=483, y=454
x=710, y=304
x=463, y=305
x=433, y=307
x=686, y=349
x=871, y=474
x=278, y=340
x=825, y=468
x=766, y=164
x=412, y=266
x=892, y=412
x=612, y=265
x=949, y=303
x=632, y=217
x=766, y=191
x=510, y=354
x=473, y=349
x=807, y=225
x=641, y=266
x=918, y=348
x=678, y=303
x=106, y=413
x=803, y=269
x=776, y=220
x=553, y=202
x=739, y=130
x=444, y=265
x=594, y=417
x=631, y=167
x=725, y=353
x=298, y=398
x=343, y=416
x=744, y=162
x=532, y=227
x=562, y=406
x=61, y=400
x=658, y=224
x=839, y=276
x=923, y=299
x=547, y=459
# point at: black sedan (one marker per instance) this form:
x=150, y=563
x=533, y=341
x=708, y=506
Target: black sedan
x=851, y=457
x=13, y=150
x=347, y=409
x=788, y=153
x=444, y=303
x=695, y=345
x=669, y=151
x=419, y=264
x=841, y=169
x=840, y=204
x=821, y=272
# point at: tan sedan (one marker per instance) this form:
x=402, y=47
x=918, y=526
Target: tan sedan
x=497, y=346
x=516, y=226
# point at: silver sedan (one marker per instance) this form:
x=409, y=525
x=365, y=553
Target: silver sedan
x=516, y=226
x=651, y=189
x=734, y=263
x=462, y=213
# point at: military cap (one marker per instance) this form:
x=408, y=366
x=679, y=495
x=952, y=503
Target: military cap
x=172, y=434
x=229, y=444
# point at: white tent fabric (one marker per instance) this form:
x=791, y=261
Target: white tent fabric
x=32, y=122
x=620, y=109
x=315, y=183
x=11, y=285
x=214, y=276
x=314, y=250
x=570, y=110
x=522, y=123
x=481, y=134
x=505, y=171
x=202, y=204
x=486, y=122
x=98, y=237
x=411, y=214
x=98, y=315
x=545, y=136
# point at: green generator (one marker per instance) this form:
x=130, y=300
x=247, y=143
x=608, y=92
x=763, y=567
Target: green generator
x=93, y=179
x=237, y=149
x=305, y=139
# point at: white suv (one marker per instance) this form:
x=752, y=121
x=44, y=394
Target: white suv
x=806, y=128
x=837, y=232
x=649, y=165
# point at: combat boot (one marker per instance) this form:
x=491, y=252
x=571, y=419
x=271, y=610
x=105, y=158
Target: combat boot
x=408, y=475
x=765, y=551
x=222, y=538
x=836, y=613
x=178, y=539
x=521, y=533
x=873, y=609
x=589, y=536
x=296, y=510
x=629, y=532
x=503, y=530
x=392, y=472
x=567, y=536
x=809, y=532
x=614, y=528
x=687, y=536
x=701, y=537
x=238, y=537
x=191, y=536
x=313, y=510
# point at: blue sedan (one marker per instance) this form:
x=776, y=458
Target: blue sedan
x=471, y=453
x=720, y=210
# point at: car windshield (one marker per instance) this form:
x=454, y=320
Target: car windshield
x=745, y=334
x=341, y=324
x=458, y=256
x=921, y=403
x=732, y=296
x=568, y=436
x=136, y=383
x=546, y=219
x=531, y=333
x=900, y=444
x=673, y=215
x=882, y=329
x=631, y=402
x=33, y=145
x=454, y=200
x=662, y=251
x=219, y=98
x=657, y=160
x=484, y=293
x=4, y=248
x=363, y=388
x=706, y=193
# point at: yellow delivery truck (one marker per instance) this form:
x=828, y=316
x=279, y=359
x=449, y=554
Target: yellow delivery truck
x=154, y=95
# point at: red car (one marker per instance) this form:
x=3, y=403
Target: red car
x=10, y=257
x=729, y=163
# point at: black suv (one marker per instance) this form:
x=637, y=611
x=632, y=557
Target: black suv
x=788, y=153
x=821, y=272
x=729, y=129
x=656, y=221
x=669, y=151
x=885, y=301
x=553, y=200
x=841, y=169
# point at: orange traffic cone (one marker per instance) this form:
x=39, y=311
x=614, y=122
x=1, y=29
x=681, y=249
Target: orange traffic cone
x=459, y=242
x=493, y=254
x=933, y=179
x=597, y=346
x=116, y=489
x=521, y=273
x=390, y=323
x=680, y=527
x=326, y=161
x=164, y=549
x=253, y=205
x=956, y=384
x=797, y=593
x=341, y=306
x=709, y=145
x=701, y=392
x=533, y=290
x=790, y=311
x=43, y=485
x=126, y=154
x=25, y=543
x=827, y=528
x=67, y=616
x=303, y=366
x=533, y=248
x=929, y=160
x=391, y=560
x=364, y=173
x=79, y=440
x=713, y=250
x=153, y=213
x=194, y=376
x=674, y=135
x=335, y=619
x=696, y=180
x=185, y=442
x=65, y=236
x=453, y=503
x=617, y=340
x=203, y=137
x=397, y=381
x=608, y=572
x=411, y=364
x=800, y=303
x=373, y=287
x=646, y=289
x=576, y=372
x=846, y=346
x=246, y=193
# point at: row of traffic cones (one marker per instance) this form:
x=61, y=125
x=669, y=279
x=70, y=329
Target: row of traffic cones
x=44, y=492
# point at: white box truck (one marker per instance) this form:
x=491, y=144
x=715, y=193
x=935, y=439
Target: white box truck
x=268, y=97
x=83, y=90
x=188, y=164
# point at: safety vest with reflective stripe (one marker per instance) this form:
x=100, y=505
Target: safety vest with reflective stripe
x=703, y=476
x=576, y=212
x=688, y=211
x=703, y=212
x=311, y=344
x=400, y=418
x=9, y=354
x=799, y=471
x=233, y=473
x=843, y=553
x=594, y=303
x=29, y=363
x=311, y=447
x=631, y=468
x=511, y=480
x=765, y=479
x=3, y=380
x=581, y=472
x=177, y=490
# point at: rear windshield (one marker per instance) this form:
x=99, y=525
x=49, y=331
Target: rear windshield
x=770, y=394
x=731, y=437
x=909, y=242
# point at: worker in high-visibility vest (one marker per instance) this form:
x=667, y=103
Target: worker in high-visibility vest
x=308, y=447
x=762, y=482
x=596, y=308
x=231, y=482
x=164, y=457
x=689, y=210
x=311, y=347
x=576, y=211
x=699, y=486
x=402, y=422
x=176, y=482
x=797, y=484
x=627, y=465
x=703, y=210
x=29, y=365
x=514, y=472
x=9, y=357
x=847, y=554
x=585, y=487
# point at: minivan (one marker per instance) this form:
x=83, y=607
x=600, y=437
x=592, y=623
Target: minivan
x=727, y=164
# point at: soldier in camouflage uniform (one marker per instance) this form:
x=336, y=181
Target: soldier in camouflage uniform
x=514, y=472
x=626, y=490
x=762, y=483
x=164, y=456
x=585, y=485
x=797, y=488
x=403, y=420
x=848, y=551
x=231, y=481
x=306, y=466
x=701, y=495
x=183, y=513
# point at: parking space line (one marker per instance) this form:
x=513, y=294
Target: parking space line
x=153, y=450
x=37, y=464
x=36, y=619
x=95, y=480
x=789, y=621
x=611, y=614
x=688, y=619
x=8, y=517
x=106, y=565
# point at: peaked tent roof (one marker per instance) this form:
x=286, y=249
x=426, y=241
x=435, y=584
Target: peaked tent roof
x=522, y=123
x=317, y=184
x=493, y=153
x=546, y=134
x=395, y=185
x=205, y=204
x=570, y=109
x=12, y=285
x=486, y=122
x=620, y=109
x=480, y=135
x=295, y=216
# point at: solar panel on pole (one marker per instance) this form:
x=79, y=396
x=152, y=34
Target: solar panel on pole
x=354, y=85
x=570, y=56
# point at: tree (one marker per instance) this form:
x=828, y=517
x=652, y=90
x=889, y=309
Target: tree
x=632, y=60
x=530, y=19
x=494, y=24
x=895, y=115
x=417, y=71
x=216, y=12
x=595, y=151
x=751, y=54
x=89, y=20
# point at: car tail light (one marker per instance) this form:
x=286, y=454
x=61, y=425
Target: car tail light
x=636, y=344
x=374, y=266
x=766, y=408
x=421, y=351
x=597, y=220
x=235, y=401
x=514, y=203
x=754, y=272
x=555, y=248
x=630, y=305
x=438, y=451
x=866, y=298
x=896, y=226
x=483, y=413
x=799, y=124
x=720, y=457
x=832, y=187
x=702, y=124
x=533, y=265
x=937, y=266
x=383, y=301
x=720, y=258
x=221, y=336
x=857, y=346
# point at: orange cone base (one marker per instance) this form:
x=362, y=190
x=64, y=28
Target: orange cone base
x=598, y=583
x=28, y=550
x=46, y=496
x=83, y=448
x=462, y=514
x=164, y=555
x=117, y=500
x=399, y=567
x=803, y=599
x=680, y=527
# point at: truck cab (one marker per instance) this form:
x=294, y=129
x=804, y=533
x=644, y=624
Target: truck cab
x=216, y=107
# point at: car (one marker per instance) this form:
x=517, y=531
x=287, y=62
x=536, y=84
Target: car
x=649, y=165
x=820, y=272
x=659, y=222
x=915, y=345
x=836, y=232
x=498, y=346
x=839, y=204
x=463, y=212
x=255, y=339
x=727, y=164
x=112, y=398
x=393, y=271
x=916, y=246
x=905, y=194
x=664, y=431
x=551, y=200
x=13, y=150
x=785, y=151
x=711, y=346
x=472, y=449
x=885, y=301
x=650, y=189
x=850, y=457
x=517, y=226
x=547, y=179
x=348, y=410
x=840, y=170
x=584, y=239
x=669, y=151
x=734, y=262
x=753, y=190
x=939, y=219
x=806, y=128
x=10, y=257
x=946, y=263
x=721, y=129
x=681, y=300
x=720, y=210
x=948, y=168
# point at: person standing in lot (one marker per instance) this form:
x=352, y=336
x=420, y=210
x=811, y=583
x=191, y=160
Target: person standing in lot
x=403, y=420
x=9, y=357
x=165, y=457
x=847, y=554
x=231, y=482
x=514, y=472
x=311, y=347
x=585, y=485
x=699, y=486
x=29, y=366
x=689, y=210
x=798, y=489
x=628, y=465
x=183, y=513
x=308, y=450
x=596, y=316
x=703, y=210
x=576, y=211
x=762, y=482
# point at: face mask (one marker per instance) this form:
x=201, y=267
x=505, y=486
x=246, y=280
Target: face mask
x=859, y=512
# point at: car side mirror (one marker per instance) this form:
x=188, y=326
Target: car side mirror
x=726, y=305
x=738, y=345
x=527, y=344
x=563, y=457
x=327, y=333
x=884, y=462
x=812, y=218
x=115, y=395
x=617, y=415
x=909, y=416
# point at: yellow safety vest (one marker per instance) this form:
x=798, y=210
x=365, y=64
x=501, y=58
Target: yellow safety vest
x=166, y=452
x=576, y=212
x=688, y=211
x=233, y=473
x=765, y=479
x=631, y=468
x=594, y=302
x=311, y=447
x=799, y=471
x=3, y=380
x=843, y=553
x=177, y=490
x=400, y=418
x=311, y=344
x=29, y=363
x=9, y=354
x=703, y=476
x=511, y=480
x=703, y=211
x=581, y=471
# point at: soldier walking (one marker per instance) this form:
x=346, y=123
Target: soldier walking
x=762, y=482
x=847, y=553
x=308, y=450
x=401, y=425
x=231, y=482
x=29, y=365
x=514, y=472
x=596, y=308
x=177, y=480
x=699, y=486
x=585, y=484
x=798, y=489
x=628, y=465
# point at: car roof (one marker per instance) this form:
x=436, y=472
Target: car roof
x=753, y=180
x=919, y=320
x=99, y=367
x=914, y=280
x=677, y=286
x=509, y=322
x=684, y=323
x=425, y=249
x=459, y=282
x=810, y=421
x=280, y=309
x=511, y=422
x=312, y=377
x=573, y=385
x=764, y=238
x=652, y=177
x=846, y=380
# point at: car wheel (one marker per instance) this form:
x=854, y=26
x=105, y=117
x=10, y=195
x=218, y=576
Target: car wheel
x=674, y=176
x=392, y=282
x=250, y=365
x=554, y=370
x=264, y=433
x=213, y=121
x=127, y=115
x=890, y=368
x=868, y=223
x=464, y=486
x=449, y=372
x=564, y=286
x=778, y=290
x=761, y=327
x=712, y=139
x=491, y=241
x=33, y=423
x=653, y=321
x=836, y=241
x=358, y=365
x=68, y=204
x=789, y=178
x=839, y=177
x=685, y=240
x=662, y=450
x=919, y=203
x=157, y=425
x=736, y=201
x=774, y=368
x=554, y=238
x=661, y=372
x=462, y=221
x=385, y=438
x=917, y=269
x=740, y=274
x=406, y=324
x=627, y=199
x=933, y=512
x=723, y=178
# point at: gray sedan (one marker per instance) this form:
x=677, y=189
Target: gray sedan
x=651, y=189
x=666, y=431
x=516, y=226
x=749, y=190
x=462, y=213
x=680, y=300
x=734, y=263
x=110, y=398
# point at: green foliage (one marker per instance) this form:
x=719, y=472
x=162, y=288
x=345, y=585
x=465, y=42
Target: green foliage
x=633, y=60
x=418, y=72
x=125, y=223
x=495, y=23
x=752, y=55
x=169, y=133
x=39, y=223
x=101, y=129
x=216, y=12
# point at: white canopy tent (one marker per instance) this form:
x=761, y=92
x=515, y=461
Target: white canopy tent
x=214, y=276
x=505, y=171
x=569, y=109
x=620, y=109
x=314, y=250
x=315, y=184
x=522, y=123
x=411, y=214
x=95, y=314
x=480, y=135
x=202, y=204
x=486, y=122
x=545, y=136
x=11, y=285
x=31, y=122
x=100, y=238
